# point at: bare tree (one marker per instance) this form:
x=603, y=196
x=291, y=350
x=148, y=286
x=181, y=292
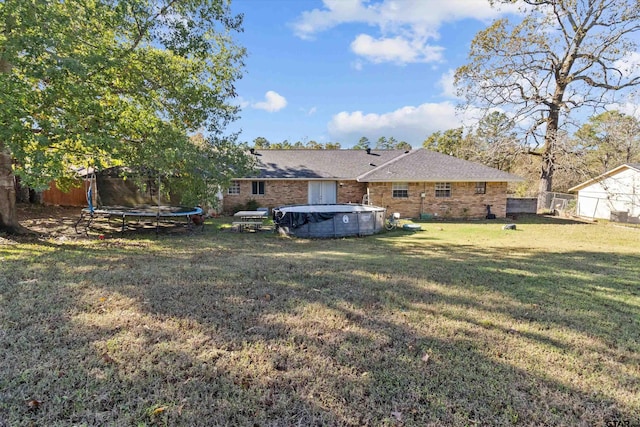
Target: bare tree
x=562, y=56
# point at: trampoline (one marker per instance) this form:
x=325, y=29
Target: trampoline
x=150, y=212
x=144, y=211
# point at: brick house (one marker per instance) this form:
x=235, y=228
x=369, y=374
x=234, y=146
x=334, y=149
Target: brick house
x=411, y=182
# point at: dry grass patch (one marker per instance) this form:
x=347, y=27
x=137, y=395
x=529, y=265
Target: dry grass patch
x=461, y=324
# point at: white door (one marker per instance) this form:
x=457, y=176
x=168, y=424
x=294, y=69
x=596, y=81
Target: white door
x=322, y=192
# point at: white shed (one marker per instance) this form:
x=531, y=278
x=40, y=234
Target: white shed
x=614, y=195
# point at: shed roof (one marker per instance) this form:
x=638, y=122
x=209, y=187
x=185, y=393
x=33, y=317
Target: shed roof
x=614, y=171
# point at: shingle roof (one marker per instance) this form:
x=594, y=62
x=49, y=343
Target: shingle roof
x=424, y=165
x=607, y=174
x=319, y=164
x=378, y=165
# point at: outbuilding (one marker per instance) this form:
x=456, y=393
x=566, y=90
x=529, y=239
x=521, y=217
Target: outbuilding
x=614, y=195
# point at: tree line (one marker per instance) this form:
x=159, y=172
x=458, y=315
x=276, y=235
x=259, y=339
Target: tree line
x=382, y=143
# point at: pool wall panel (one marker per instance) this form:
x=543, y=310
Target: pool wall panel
x=360, y=222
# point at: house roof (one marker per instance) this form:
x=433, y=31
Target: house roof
x=614, y=171
x=418, y=165
x=319, y=164
x=429, y=166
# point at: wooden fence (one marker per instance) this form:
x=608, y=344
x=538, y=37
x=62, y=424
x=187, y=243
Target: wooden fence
x=76, y=196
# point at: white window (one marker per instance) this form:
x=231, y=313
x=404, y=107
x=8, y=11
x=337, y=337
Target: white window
x=257, y=187
x=400, y=190
x=234, y=188
x=481, y=187
x=443, y=189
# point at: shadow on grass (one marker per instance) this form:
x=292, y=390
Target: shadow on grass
x=517, y=219
x=250, y=328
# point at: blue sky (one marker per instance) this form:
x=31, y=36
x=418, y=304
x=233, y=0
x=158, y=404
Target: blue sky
x=337, y=70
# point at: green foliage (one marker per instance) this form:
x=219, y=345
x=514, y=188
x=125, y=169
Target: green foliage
x=261, y=143
x=107, y=83
x=495, y=142
x=363, y=144
x=449, y=142
x=609, y=140
x=250, y=205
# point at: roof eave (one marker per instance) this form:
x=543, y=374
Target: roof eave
x=601, y=177
x=443, y=179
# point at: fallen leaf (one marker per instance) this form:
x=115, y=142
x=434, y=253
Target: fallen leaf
x=159, y=410
x=426, y=358
x=397, y=415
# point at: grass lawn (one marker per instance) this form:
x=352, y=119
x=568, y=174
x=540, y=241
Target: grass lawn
x=461, y=324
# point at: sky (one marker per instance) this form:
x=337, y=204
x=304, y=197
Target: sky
x=338, y=70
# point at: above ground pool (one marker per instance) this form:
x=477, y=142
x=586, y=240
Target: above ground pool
x=338, y=220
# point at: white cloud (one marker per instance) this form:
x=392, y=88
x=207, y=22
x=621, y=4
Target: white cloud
x=404, y=27
x=335, y=12
x=396, y=49
x=410, y=124
x=446, y=83
x=273, y=102
x=419, y=17
x=629, y=108
x=629, y=66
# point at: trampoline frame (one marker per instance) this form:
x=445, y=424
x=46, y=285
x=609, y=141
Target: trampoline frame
x=123, y=212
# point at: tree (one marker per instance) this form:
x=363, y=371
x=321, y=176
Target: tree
x=449, y=142
x=107, y=83
x=609, y=140
x=495, y=142
x=261, y=143
x=314, y=145
x=362, y=144
x=385, y=144
x=403, y=145
x=563, y=56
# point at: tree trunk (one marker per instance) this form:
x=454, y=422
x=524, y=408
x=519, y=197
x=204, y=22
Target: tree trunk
x=548, y=155
x=8, y=214
x=546, y=181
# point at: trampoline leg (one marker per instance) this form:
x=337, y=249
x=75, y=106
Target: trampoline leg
x=78, y=222
x=87, y=225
